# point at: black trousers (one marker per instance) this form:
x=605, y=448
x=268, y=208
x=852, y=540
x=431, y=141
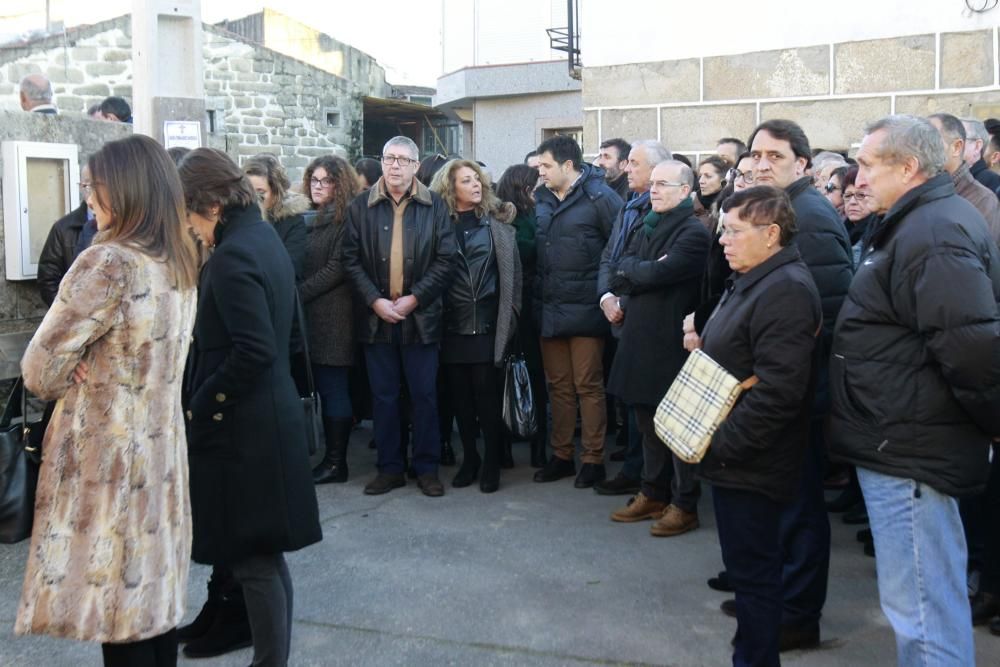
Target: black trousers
x=990, y=578
x=476, y=401
x=159, y=651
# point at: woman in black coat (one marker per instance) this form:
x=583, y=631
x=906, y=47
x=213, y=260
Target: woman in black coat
x=764, y=326
x=279, y=206
x=252, y=497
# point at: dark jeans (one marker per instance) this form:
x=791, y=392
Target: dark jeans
x=989, y=581
x=388, y=364
x=804, y=526
x=632, y=468
x=333, y=385
x=267, y=592
x=476, y=402
x=664, y=476
x=159, y=651
x=751, y=551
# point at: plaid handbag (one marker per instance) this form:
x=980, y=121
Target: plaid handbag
x=699, y=399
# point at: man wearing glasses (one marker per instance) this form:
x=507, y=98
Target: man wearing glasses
x=399, y=252
x=63, y=243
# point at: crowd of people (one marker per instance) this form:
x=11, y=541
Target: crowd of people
x=829, y=281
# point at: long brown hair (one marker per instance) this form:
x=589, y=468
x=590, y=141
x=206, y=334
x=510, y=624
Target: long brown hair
x=138, y=183
x=210, y=177
x=345, y=186
x=444, y=185
x=267, y=166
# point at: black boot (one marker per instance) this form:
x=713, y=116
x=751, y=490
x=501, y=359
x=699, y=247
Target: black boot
x=489, y=480
x=230, y=629
x=469, y=469
x=333, y=467
x=507, y=460
x=538, y=458
x=219, y=580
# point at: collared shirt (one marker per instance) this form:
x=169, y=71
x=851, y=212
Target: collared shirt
x=396, y=257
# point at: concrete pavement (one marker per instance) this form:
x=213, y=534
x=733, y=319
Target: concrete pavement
x=535, y=574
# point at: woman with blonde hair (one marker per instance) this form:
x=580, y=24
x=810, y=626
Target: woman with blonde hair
x=480, y=313
x=112, y=537
x=279, y=205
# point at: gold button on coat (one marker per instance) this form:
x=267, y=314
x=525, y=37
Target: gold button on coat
x=217, y=416
x=220, y=397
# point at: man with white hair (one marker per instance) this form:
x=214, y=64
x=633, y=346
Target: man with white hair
x=36, y=95
x=915, y=384
x=976, y=140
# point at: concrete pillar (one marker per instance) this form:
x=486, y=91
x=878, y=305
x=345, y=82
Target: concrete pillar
x=167, y=66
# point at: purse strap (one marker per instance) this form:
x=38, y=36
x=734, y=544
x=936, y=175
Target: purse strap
x=300, y=318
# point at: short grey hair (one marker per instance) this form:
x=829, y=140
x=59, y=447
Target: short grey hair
x=824, y=159
x=37, y=88
x=910, y=136
x=685, y=173
x=656, y=152
x=975, y=129
x=403, y=141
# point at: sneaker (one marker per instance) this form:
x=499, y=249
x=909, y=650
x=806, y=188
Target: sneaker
x=674, y=521
x=619, y=486
x=639, y=508
x=384, y=483
x=430, y=485
x=555, y=469
x=590, y=474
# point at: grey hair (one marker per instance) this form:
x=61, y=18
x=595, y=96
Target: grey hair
x=685, y=173
x=37, y=88
x=975, y=129
x=403, y=141
x=910, y=136
x=825, y=158
x=656, y=152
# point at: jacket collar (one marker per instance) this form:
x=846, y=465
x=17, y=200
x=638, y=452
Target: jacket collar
x=935, y=188
x=742, y=282
x=235, y=217
x=798, y=187
x=588, y=183
x=418, y=193
x=978, y=166
x=962, y=175
x=639, y=201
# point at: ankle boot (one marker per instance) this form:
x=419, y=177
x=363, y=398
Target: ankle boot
x=507, y=455
x=333, y=467
x=203, y=621
x=469, y=469
x=230, y=628
x=489, y=479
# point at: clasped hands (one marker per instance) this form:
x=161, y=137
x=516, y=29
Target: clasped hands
x=395, y=311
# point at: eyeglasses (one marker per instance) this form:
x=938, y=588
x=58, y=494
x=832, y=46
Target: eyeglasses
x=830, y=187
x=387, y=160
x=667, y=184
x=88, y=188
x=320, y=182
x=733, y=233
x=860, y=197
x=733, y=174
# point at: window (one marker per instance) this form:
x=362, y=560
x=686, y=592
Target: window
x=211, y=120
x=575, y=132
x=333, y=118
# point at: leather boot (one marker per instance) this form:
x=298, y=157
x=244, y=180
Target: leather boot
x=507, y=455
x=220, y=579
x=489, y=480
x=230, y=629
x=469, y=469
x=538, y=458
x=333, y=467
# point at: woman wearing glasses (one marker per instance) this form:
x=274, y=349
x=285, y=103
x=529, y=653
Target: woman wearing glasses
x=279, y=206
x=858, y=217
x=326, y=296
x=480, y=313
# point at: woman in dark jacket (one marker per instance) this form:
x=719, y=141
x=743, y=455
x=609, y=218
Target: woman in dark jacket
x=712, y=172
x=517, y=186
x=326, y=296
x=279, y=206
x=764, y=326
x=858, y=218
x=480, y=313
x=251, y=492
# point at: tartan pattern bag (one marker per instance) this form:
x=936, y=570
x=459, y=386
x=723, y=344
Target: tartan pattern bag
x=698, y=401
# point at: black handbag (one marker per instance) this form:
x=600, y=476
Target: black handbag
x=311, y=404
x=520, y=413
x=20, y=456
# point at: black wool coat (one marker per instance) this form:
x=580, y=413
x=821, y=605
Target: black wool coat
x=765, y=325
x=915, y=371
x=251, y=484
x=658, y=280
x=571, y=236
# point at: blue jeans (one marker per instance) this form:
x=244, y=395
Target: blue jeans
x=920, y=558
x=334, y=390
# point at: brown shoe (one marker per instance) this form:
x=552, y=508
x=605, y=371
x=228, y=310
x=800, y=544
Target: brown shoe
x=639, y=508
x=675, y=521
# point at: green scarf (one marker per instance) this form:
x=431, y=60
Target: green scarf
x=653, y=218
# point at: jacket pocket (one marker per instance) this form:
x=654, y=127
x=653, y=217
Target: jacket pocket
x=212, y=436
x=842, y=394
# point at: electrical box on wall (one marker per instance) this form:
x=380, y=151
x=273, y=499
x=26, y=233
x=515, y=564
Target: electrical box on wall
x=39, y=187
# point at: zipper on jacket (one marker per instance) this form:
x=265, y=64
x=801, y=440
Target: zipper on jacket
x=882, y=445
x=477, y=285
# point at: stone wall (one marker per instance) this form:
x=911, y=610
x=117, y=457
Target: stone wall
x=832, y=90
x=21, y=307
x=257, y=99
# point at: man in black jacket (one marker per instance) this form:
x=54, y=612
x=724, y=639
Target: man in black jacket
x=613, y=159
x=61, y=245
x=575, y=210
x=399, y=251
x=780, y=154
x=915, y=380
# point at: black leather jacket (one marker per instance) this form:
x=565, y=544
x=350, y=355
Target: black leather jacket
x=59, y=252
x=471, y=302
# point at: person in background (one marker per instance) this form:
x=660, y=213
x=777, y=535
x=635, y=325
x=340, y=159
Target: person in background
x=252, y=497
x=329, y=307
x=517, y=185
x=94, y=112
x=858, y=216
x=613, y=159
x=730, y=148
x=833, y=189
x=369, y=170
x=62, y=244
x=111, y=544
x=279, y=205
x=481, y=308
x=36, y=95
x=823, y=164
x=430, y=166
x=765, y=325
x=531, y=159
x=116, y=109
x=711, y=180
x=976, y=140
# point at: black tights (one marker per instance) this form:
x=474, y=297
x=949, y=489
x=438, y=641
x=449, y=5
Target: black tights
x=475, y=398
x=159, y=651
